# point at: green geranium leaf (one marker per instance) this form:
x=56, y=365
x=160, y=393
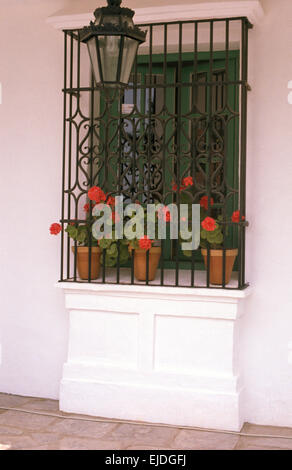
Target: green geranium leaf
x=104, y=243
x=203, y=244
x=134, y=244
x=72, y=231
x=215, y=237
x=187, y=253
x=204, y=234
x=81, y=236
x=112, y=250
x=110, y=261
x=124, y=254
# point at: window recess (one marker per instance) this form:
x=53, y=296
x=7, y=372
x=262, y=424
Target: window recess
x=182, y=115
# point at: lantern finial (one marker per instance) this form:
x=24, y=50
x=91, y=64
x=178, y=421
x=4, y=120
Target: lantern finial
x=114, y=3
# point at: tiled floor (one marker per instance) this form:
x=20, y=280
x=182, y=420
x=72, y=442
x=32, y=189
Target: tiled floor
x=24, y=431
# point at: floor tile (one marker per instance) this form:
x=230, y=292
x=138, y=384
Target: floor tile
x=255, y=447
x=272, y=430
x=76, y=443
x=9, y=430
x=24, y=431
x=148, y=448
x=44, y=438
x=81, y=428
x=247, y=441
x=42, y=405
x=17, y=442
x=25, y=421
x=13, y=401
x=144, y=435
x=202, y=440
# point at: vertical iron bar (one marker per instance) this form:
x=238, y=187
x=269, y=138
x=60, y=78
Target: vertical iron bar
x=103, y=265
x=147, y=266
x=64, y=155
x=70, y=157
x=149, y=156
x=164, y=189
x=194, y=129
x=225, y=150
x=178, y=134
x=77, y=142
x=132, y=265
x=118, y=260
x=242, y=208
x=91, y=157
x=120, y=186
x=210, y=122
x=107, y=140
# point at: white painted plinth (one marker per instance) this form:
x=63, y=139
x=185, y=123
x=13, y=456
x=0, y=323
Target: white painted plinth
x=155, y=354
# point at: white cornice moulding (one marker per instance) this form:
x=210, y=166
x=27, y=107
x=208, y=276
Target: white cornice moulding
x=252, y=9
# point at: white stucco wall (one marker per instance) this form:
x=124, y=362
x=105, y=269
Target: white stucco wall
x=268, y=325
x=33, y=320
x=33, y=326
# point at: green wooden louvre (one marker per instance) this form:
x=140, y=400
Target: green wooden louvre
x=183, y=114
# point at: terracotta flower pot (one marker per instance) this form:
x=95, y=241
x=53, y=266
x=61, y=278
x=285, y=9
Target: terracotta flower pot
x=83, y=258
x=216, y=264
x=140, y=261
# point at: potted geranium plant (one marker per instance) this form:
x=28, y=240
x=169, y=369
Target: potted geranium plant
x=143, y=248
x=81, y=234
x=211, y=236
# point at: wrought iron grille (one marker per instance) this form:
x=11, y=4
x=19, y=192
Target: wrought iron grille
x=182, y=115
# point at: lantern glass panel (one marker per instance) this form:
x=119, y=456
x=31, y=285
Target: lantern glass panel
x=129, y=54
x=92, y=49
x=109, y=47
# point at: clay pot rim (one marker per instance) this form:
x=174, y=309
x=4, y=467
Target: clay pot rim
x=154, y=249
x=228, y=252
x=85, y=249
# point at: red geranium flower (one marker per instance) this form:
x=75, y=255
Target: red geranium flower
x=235, y=217
x=96, y=194
x=86, y=207
x=204, y=202
x=174, y=187
x=209, y=224
x=164, y=213
x=145, y=243
x=167, y=216
x=110, y=201
x=55, y=229
x=188, y=181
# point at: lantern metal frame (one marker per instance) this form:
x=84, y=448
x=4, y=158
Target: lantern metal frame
x=122, y=26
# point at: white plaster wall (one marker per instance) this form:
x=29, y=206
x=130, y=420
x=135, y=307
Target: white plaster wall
x=268, y=325
x=33, y=321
